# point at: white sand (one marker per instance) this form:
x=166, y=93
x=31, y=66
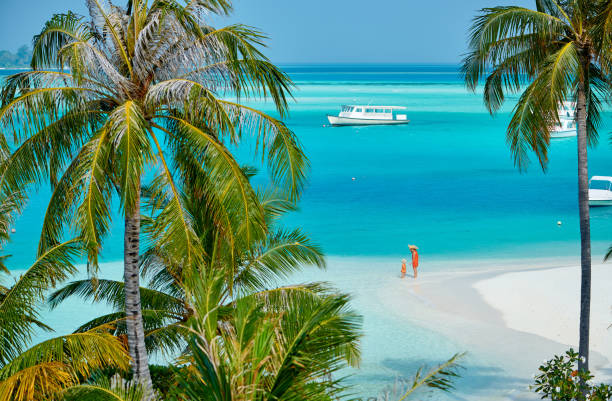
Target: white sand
x=547, y=302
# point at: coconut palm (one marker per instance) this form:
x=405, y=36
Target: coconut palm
x=559, y=51
x=142, y=88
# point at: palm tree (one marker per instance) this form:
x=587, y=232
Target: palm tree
x=45, y=369
x=143, y=88
x=561, y=50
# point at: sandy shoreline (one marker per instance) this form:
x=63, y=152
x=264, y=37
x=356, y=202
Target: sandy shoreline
x=508, y=319
x=546, y=303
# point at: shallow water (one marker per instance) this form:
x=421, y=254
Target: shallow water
x=445, y=182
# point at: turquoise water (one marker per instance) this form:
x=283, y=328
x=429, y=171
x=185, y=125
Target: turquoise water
x=445, y=182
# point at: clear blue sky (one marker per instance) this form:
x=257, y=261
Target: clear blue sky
x=315, y=31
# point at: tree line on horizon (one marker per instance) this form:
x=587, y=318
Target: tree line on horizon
x=20, y=59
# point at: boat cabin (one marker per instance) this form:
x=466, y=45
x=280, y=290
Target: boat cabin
x=567, y=110
x=601, y=183
x=600, y=191
x=371, y=112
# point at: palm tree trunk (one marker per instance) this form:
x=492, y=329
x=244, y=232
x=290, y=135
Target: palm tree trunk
x=585, y=229
x=133, y=311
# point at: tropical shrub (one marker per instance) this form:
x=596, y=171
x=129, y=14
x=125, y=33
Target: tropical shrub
x=560, y=380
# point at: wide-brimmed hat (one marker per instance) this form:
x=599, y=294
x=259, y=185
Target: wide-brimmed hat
x=411, y=247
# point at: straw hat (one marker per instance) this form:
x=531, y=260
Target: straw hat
x=411, y=247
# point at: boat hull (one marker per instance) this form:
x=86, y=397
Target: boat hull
x=340, y=121
x=563, y=133
x=599, y=197
x=600, y=202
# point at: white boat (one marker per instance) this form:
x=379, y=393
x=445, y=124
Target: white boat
x=368, y=115
x=566, y=127
x=600, y=191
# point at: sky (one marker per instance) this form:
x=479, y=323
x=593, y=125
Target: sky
x=313, y=31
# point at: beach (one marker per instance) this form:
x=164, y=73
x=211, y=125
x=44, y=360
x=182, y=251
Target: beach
x=508, y=319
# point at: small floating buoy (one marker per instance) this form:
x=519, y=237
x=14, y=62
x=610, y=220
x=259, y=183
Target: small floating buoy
x=13, y=230
x=353, y=178
x=559, y=223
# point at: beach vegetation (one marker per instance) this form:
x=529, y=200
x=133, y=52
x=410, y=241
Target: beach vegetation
x=559, y=51
x=560, y=380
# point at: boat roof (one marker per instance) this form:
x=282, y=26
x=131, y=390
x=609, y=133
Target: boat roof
x=601, y=178
x=376, y=106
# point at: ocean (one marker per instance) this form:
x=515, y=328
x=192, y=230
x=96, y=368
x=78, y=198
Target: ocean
x=446, y=182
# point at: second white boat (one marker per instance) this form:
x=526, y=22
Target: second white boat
x=566, y=127
x=600, y=191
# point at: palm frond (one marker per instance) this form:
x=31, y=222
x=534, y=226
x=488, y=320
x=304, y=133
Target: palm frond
x=105, y=389
x=60, y=30
x=18, y=305
x=440, y=378
x=53, y=365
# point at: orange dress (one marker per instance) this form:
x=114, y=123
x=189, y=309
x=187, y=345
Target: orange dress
x=415, y=258
x=403, y=267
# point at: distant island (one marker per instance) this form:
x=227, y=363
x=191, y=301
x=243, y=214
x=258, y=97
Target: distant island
x=19, y=59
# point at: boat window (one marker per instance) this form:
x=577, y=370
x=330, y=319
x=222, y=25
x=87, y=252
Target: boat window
x=600, y=184
x=369, y=111
x=379, y=110
x=358, y=110
x=388, y=111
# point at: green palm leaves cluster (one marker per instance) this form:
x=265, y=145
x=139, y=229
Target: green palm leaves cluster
x=552, y=51
x=560, y=51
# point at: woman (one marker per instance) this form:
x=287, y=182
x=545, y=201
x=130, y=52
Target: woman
x=415, y=258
